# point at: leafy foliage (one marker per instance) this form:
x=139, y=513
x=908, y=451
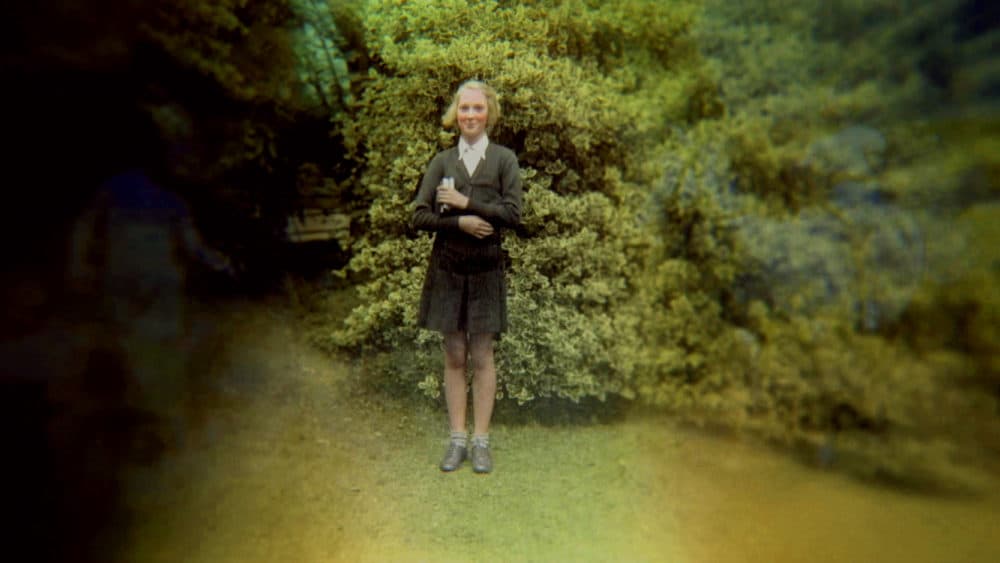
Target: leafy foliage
x=816, y=246
x=728, y=214
x=581, y=124
x=232, y=41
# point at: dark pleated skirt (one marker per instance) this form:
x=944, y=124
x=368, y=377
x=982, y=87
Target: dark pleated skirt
x=464, y=289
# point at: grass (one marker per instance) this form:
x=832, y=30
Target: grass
x=298, y=461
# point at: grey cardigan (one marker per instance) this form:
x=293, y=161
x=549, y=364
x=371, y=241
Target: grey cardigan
x=494, y=192
x=464, y=289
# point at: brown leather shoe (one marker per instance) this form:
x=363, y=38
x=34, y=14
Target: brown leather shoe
x=482, y=461
x=453, y=458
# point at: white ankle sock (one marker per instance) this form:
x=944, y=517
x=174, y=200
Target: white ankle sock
x=460, y=438
x=481, y=440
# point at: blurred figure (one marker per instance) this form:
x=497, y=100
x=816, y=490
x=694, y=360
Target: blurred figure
x=130, y=253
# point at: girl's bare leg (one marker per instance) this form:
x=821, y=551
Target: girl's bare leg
x=484, y=382
x=455, y=395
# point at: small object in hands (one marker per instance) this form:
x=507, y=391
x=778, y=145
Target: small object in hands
x=449, y=182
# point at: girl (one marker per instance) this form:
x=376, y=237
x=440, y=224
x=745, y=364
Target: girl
x=469, y=193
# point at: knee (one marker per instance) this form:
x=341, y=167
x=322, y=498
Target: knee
x=454, y=361
x=455, y=350
x=454, y=357
x=482, y=359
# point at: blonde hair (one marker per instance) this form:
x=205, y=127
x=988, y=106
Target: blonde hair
x=492, y=104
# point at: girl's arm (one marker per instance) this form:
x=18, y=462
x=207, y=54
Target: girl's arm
x=507, y=211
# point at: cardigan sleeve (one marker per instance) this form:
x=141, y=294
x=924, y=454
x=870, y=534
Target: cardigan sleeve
x=425, y=217
x=508, y=210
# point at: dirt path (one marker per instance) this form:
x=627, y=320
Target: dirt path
x=293, y=463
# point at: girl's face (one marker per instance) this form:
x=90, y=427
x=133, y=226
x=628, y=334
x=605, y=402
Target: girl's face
x=472, y=113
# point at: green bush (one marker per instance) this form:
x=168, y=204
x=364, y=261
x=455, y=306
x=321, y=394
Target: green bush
x=726, y=215
x=876, y=311
x=579, y=84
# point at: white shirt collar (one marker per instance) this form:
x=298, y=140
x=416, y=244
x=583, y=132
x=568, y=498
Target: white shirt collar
x=478, y=148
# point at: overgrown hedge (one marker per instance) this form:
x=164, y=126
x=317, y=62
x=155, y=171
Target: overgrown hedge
x=775, y=215
x=726, y=214
x=584, y=96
